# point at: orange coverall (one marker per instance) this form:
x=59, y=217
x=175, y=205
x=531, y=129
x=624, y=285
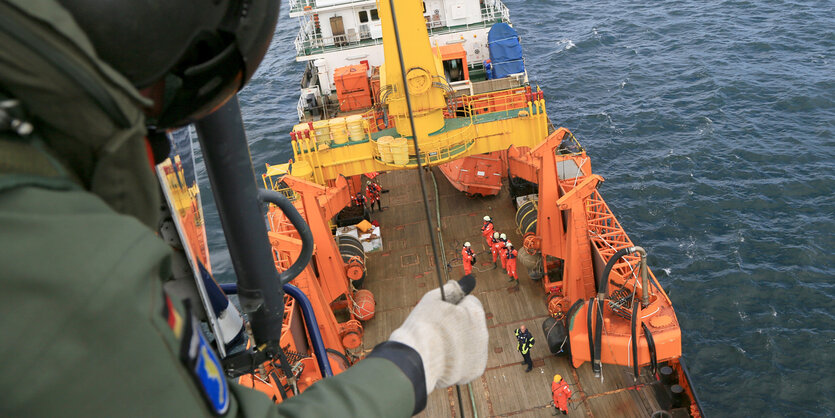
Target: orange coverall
x=468, y=257
x=561, y=394
x=498, y=248
x=503, y=254
x=511, y=262
x=492, y=250
x=487, y=232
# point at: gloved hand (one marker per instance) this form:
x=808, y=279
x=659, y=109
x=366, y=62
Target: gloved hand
x=450, y=336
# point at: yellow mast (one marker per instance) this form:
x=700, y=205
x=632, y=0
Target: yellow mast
x=424, y=70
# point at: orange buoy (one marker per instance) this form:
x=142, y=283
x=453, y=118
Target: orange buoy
x=364, y=304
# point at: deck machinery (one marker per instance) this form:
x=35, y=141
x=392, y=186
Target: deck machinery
x=598, y=287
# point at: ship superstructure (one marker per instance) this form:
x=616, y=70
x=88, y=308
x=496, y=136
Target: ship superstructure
x=339, y=33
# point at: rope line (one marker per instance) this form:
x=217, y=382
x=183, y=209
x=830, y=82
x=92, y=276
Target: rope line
x=417, y=150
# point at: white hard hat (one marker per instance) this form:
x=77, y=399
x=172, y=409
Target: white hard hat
x=495, y=235
x=503, y=236
x=487, y=218
x=467, y=244
x=509, y=244
x=368, y=182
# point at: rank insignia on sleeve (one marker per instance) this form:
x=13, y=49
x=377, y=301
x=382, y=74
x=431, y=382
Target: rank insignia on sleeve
x=205, y=367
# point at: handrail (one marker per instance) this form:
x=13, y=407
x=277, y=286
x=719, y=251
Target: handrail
x=494, y=101
x=437, y=150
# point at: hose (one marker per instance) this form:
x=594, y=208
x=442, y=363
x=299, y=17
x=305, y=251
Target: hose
x=286, y=206
x=602, y=287
x=589, y=312
x=596, y=366
x=635, y=340
x=653, y=357
x=602, y=293
x=472, y=400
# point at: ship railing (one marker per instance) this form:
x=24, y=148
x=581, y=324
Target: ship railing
x=300, y=5
x=436, y=26
x=495, y=10
x=309, y=43
x=309, y=6
x=496, y=101
x=375, y=120
x=300, y=107
x=434, y=150
x=279, y=186
x=569, y=145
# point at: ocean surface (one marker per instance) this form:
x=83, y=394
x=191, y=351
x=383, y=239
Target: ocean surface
x=712, y=123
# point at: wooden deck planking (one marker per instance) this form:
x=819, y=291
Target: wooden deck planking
x=403, y=270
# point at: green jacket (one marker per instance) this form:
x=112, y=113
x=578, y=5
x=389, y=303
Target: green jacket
x=83, y=316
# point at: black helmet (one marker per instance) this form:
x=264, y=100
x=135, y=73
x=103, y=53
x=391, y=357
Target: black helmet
x=202, y=51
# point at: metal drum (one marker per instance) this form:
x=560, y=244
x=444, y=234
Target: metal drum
x=353, y=256
x=526, y=217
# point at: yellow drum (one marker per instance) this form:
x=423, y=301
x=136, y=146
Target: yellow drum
x=339, y=130
x=356, y=127
x=322, y=131
x=400, y=151
x=384, y=148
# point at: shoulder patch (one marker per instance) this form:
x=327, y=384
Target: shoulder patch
x=204, y=365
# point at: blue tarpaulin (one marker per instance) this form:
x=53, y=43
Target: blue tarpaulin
x=505, y=51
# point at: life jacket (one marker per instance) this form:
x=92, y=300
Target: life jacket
x=466, y=254
x=487, y=229
x=358, y=200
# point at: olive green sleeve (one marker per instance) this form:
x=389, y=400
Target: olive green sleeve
x=374, y=387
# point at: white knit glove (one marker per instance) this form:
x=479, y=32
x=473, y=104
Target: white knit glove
x=450, y=336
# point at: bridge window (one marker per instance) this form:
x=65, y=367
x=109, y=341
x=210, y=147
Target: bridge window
x=374, y=15
x=363, y=16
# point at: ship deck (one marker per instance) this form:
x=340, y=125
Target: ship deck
x=403, y=270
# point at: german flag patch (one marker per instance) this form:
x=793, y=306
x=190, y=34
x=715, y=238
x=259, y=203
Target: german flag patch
x=198, y=357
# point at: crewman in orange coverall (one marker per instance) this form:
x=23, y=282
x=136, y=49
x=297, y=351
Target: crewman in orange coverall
x=494, y=239
x=487, y=230
x=503, y=250
x=511, y=262
x=497, y=248
x=561, y=393
x=468, y=257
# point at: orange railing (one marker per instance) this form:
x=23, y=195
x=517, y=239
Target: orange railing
x=494, y=101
